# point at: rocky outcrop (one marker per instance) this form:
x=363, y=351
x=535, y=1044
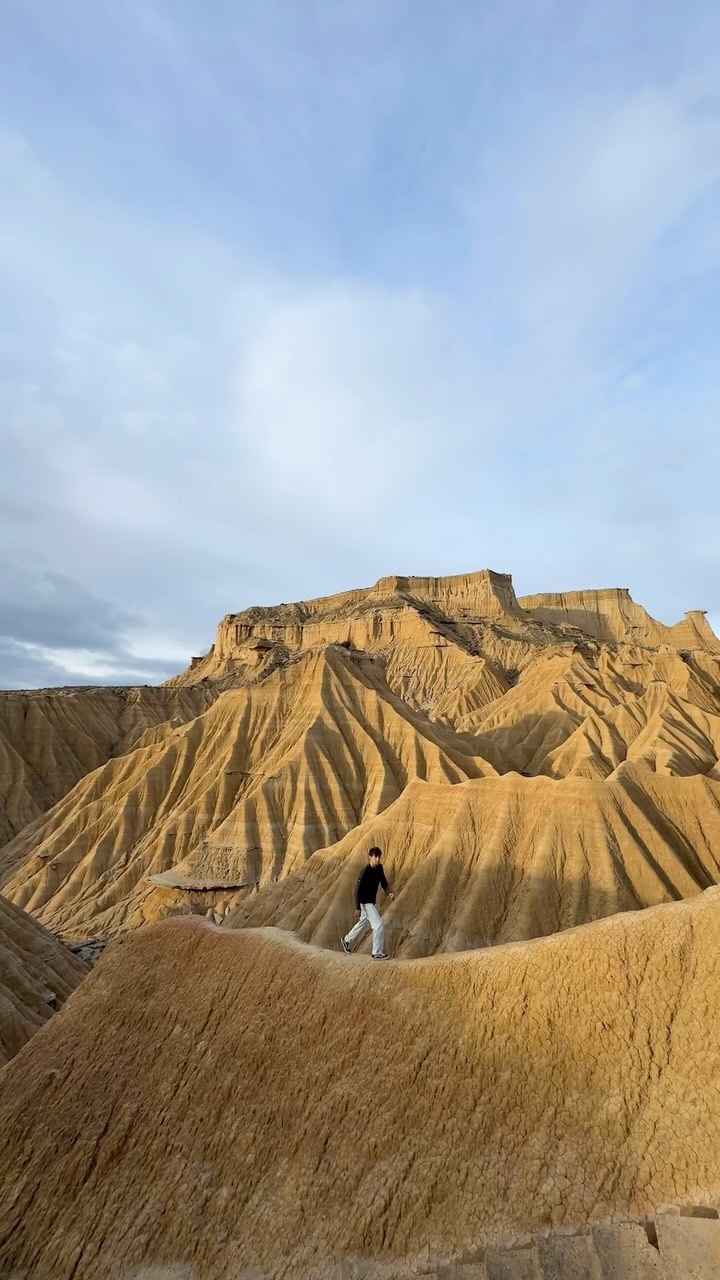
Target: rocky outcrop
x=397, y=609
x=682, y=1243
x=612, y=615
x=694, y=632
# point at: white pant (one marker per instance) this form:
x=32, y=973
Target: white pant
x=369, y=917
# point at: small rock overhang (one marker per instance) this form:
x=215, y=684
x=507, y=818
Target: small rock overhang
x=213, y=884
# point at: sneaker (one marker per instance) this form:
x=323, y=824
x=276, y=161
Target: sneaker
x=345, y=946
x=382, y=956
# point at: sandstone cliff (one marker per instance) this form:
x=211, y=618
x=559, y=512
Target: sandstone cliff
x=614, y=616
x=403, y=617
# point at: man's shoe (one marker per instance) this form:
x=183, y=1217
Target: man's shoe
x=382, y=956
x=345, y=946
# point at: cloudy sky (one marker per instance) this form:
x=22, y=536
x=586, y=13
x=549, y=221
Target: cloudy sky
x=298, y=294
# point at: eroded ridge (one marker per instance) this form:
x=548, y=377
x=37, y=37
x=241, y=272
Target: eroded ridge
x=452, y=1102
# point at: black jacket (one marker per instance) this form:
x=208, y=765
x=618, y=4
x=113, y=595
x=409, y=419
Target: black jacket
x=367, y=885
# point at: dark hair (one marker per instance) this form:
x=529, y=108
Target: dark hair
x=374, y=852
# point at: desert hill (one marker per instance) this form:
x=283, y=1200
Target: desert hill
x=428, y=631
x=474, y=614
x=305, y=722
x=50, y=738
x=299, y=1108
x=572, y=715
x=37, y=975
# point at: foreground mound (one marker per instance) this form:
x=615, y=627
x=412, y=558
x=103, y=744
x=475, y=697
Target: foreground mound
x=36, y=975
x=215, y=1100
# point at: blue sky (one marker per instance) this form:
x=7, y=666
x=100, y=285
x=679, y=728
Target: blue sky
x=301, y=294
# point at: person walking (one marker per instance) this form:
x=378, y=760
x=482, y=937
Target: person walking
x=366, y=913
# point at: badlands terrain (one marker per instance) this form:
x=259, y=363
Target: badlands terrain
x=226, y=1091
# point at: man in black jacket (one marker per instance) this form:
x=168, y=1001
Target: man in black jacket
x=366, y=913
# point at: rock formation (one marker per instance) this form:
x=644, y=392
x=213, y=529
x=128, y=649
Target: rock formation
x=412, y=622
x=612, y=615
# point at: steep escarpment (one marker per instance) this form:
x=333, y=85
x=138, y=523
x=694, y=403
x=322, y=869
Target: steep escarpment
x=417, y=614
x=558, y=1082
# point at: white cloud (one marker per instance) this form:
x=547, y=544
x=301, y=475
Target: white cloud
x=586, y=201
x=347, y=397
x=88, y=666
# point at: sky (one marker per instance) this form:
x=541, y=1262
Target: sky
x=298, y=295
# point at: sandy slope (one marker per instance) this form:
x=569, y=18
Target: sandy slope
x=572, y=714
x=36, y=975
x=298, y=1107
